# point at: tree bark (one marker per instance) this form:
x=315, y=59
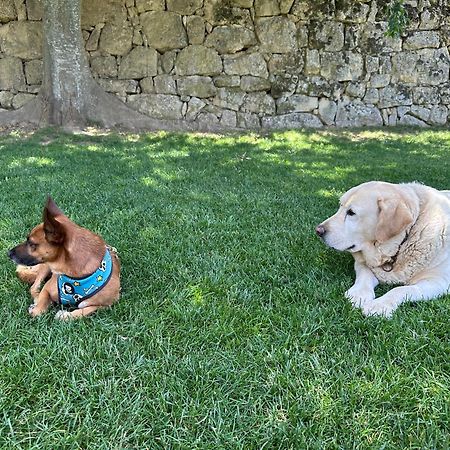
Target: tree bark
x=69, y=96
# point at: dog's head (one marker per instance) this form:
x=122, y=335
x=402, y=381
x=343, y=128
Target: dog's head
x=369, y=213
x=45, y=241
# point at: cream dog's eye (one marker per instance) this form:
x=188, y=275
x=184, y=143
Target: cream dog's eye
x=350, y=212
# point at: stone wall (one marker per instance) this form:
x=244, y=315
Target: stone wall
x=249, y=63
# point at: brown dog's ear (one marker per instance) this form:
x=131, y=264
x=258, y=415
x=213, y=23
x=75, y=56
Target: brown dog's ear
x=394, y=217
x=54, y=230
x=52, y=207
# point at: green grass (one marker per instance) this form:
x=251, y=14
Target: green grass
x=232, y=331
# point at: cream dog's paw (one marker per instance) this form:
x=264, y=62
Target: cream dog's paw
x=383, y=306
x=358, y=296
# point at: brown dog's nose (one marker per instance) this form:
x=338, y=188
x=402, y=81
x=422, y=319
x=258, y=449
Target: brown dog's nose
x=320, y=230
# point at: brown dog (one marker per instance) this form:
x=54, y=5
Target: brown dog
x=84, y=272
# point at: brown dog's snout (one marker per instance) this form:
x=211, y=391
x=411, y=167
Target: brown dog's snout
x=320, y=230
x=19, y=255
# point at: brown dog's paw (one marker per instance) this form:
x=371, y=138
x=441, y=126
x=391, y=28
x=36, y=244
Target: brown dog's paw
x=33, y=311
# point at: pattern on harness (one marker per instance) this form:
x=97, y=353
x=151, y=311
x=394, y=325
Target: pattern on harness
x=72, y=291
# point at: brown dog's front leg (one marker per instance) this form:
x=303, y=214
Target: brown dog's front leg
x=42, y=274
x=42, y=303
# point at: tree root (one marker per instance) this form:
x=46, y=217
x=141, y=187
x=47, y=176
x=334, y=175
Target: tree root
x=101, y=109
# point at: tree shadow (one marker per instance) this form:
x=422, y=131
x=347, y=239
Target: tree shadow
x=242, y=204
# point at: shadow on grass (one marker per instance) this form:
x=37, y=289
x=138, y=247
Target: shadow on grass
x=236, y=190
x=233, y=326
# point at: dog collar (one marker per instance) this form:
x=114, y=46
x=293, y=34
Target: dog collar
x=388, y=265
x=72, y=291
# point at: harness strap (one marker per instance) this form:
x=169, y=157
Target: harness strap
x=72, y=291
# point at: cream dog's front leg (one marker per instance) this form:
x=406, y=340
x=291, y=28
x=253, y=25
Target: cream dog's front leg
x=363, y=290
x=424, y=289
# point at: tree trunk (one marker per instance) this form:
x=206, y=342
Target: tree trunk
x=69, y=95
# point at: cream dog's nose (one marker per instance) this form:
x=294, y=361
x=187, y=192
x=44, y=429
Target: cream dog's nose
x=320, y=230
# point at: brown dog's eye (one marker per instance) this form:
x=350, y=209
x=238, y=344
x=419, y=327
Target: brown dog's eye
x=32, y=246
x=350, y=212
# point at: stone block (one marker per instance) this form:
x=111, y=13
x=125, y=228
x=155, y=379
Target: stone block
x=230, y=39
x=6, y=98
x=165, y=84
x=228, y=119
x=116, y=38
x=357, y=114
x=277, y=34
x=195, y=27
x=11, y=74
x=7, y=11
x=258, y=102
x=227, y=81
x=422, y=39
x=167, y=61
x=297, y=103
x=438, y=115
x=229, y=98
x=291, y=121
x=312, y=62
x=92, y=42
x=141, y=62
x=33, y=71
x=327, y=111
x=104, y=11
x=327, y=36
x=198, y=60
x=22, y=39
x=249, y=121
x=196, y=86
x=184, y=7
x=104, y=66
x=195, y=105
x=158, y=106
x=21, y=99
x=342, y=66
x=267, y=8
x=147, y=85
x=250, y=83
x=246, y=64
x=164, y=30
x=395, y=96
x=120, y=87
x=150, y=5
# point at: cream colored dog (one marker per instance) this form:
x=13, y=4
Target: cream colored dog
x=397, y=234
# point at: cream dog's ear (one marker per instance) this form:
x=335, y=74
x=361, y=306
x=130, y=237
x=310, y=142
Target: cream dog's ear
x=393, y=218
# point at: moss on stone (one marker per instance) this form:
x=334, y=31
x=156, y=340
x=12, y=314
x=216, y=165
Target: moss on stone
x=224, y=12
x=317, y=8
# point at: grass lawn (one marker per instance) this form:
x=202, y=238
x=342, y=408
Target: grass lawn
x=232, y=331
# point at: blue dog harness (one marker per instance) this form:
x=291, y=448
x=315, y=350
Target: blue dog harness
x=72, y=291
